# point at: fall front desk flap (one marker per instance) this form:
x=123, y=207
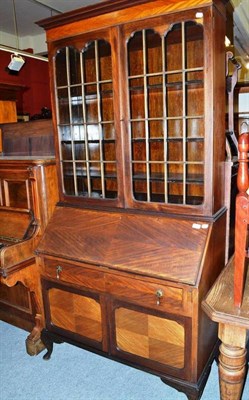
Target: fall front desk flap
x=156, y=246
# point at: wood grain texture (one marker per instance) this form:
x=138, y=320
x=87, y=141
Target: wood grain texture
x=29, y=191
x=151, y=337
x=7, y=111
x=70, y=26
x=219, y=303
x=241, y=261
x=75, y=313
x=167, y=248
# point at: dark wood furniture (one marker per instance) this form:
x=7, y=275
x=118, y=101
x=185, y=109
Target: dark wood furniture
x=33, y=138
x=228, y=301
x=138, y=236
x=28, y=193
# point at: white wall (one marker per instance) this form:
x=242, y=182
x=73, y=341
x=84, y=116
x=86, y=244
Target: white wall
x=37, y=43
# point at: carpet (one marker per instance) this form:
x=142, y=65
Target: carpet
x=76, y=374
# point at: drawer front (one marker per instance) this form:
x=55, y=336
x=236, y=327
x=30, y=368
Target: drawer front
x=165, y=298
x=77, y=275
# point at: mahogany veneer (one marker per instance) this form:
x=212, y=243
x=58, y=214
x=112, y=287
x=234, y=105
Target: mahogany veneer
x=139, y=234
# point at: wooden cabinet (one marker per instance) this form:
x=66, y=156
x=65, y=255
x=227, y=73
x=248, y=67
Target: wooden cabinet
x=139, y=234
x=28, y=193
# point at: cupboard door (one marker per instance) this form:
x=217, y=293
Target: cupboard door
x=85, y=117
x=166, y=113
x=75, y=314
x=154, y=339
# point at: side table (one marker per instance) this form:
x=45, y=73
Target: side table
x=233, y=332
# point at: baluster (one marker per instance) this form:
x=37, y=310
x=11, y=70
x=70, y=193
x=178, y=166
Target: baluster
x=242, y=220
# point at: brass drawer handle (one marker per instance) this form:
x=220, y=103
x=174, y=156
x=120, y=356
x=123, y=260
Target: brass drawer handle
x=159, y=296
x=58, y=271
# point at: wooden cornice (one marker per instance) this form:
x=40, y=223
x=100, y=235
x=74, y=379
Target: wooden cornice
x=108, y=6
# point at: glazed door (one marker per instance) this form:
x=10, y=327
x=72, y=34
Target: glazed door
x=165, y=141
x=86, y=90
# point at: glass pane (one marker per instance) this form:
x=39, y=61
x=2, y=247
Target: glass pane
x=74, y=66
x=76, y=102
x=173, y=48
x=139, y=170
x=65, y=133
x=94, y=151
x=108, y=131
x=156, y=129
x=175, y=193
x=153, y=43
x=89, y=62
x=175, y=150
x=138, y=151
x=61, y=67
x=195, y=150
x=155, y=97
x=106, y=102
x=166, y=110
x=157, y=191
x=194, y=45
x=140, y=190
x=137, y=98
x=157, y=151
x=175, y=173
x=82, y=185
x=195, y=187
x=105, y=61
x=174, y=96
x=135, y=55
x=68, y=178
x=66, y=151
x=92, y=132
x=195, y=128
x=194, y=94
x=137, y=129
x=63, y=106
x=79, y=151
x=175, y=128
x=157, y=171
x=109, y=151
x=92, y=111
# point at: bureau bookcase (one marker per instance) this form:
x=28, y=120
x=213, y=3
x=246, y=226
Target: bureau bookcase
x=138, y=237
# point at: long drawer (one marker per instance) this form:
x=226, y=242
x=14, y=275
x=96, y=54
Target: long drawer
x=147, y=294
x=79, y=275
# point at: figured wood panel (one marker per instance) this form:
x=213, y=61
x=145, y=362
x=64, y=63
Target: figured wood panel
x=76, y=313
x=14, y=224
x=17, y=296
x=160, y=247
x=155, y=338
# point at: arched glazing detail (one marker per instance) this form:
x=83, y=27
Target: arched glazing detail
x=85, y=116
x=166, y=114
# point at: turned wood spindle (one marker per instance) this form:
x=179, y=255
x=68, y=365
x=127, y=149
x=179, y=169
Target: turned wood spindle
x=242, y=220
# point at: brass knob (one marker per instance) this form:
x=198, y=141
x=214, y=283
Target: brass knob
x=159, y=295
x=58, y=271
